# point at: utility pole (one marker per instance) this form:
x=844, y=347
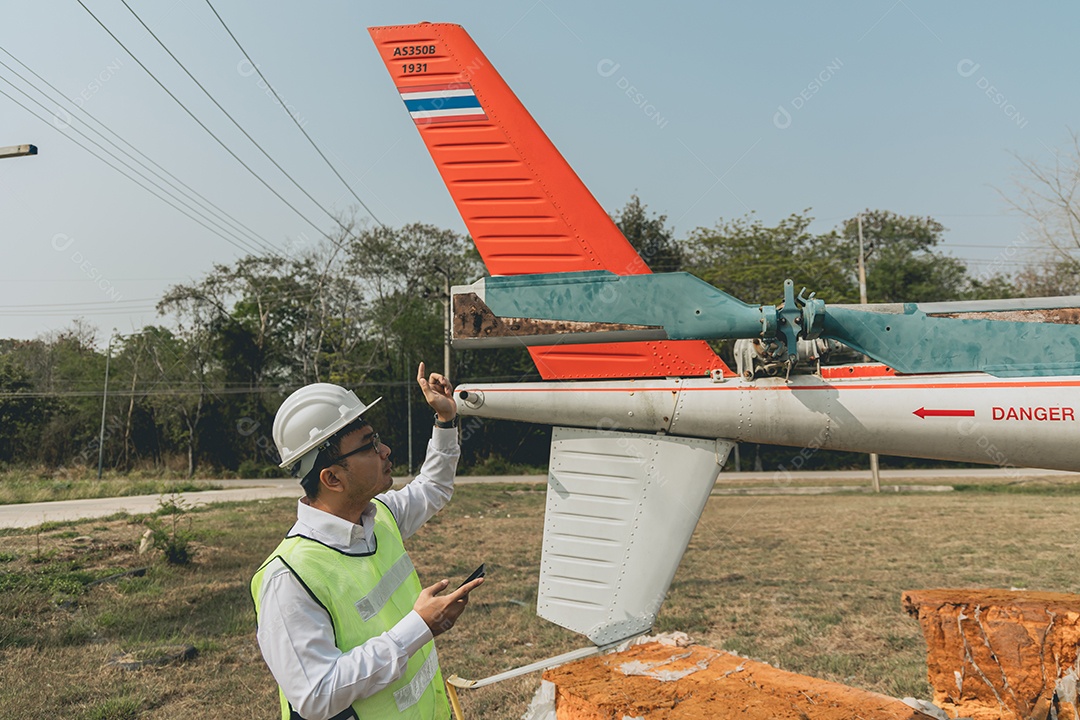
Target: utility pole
x=874, y=471
x=862, y=266
x=17, y=151
x=408, y=409
x=446, y=325
x=104, y=397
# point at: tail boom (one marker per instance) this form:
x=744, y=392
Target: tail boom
x=971, y=417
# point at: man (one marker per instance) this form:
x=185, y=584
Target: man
x=344, y=625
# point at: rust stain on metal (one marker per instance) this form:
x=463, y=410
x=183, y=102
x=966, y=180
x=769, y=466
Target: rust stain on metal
x=474, y=319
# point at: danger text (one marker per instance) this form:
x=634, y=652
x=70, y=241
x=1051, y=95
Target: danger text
x=1051, y=414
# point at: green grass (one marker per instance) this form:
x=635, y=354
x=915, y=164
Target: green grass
x=1023, y=488
x=123, y=708
x=810, y=584
x=51, y=526
x=498, y=465
x=23, y=487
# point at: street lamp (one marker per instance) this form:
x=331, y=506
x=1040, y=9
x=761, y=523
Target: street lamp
x=17, y=151
x=104, y=400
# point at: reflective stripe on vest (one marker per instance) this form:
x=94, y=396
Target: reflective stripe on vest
x=408, y=696
x=365, y=596
x=370, y=605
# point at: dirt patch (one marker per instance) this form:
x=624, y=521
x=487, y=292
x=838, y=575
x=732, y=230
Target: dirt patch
x=999, y=653
x=660, y=682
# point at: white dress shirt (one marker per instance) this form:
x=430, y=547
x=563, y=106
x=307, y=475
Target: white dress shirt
x=295, y=633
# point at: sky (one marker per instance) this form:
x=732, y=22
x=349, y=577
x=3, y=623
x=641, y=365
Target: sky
x=707, y=111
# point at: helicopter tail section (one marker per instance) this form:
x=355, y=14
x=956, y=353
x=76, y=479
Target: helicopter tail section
x=524, y=206
x=621, y=508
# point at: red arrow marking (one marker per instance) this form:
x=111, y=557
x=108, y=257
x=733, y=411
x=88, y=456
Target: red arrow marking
x=924, y=413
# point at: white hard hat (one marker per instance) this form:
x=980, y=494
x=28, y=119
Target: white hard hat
x=308, y=419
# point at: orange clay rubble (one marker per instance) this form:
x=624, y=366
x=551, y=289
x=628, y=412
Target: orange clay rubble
x=1000, y=653
x=662, y=682
x=991, y=655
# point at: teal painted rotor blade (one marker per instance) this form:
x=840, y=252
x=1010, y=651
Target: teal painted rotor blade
x=686, y=307
x=689, y=308
x=913, y=342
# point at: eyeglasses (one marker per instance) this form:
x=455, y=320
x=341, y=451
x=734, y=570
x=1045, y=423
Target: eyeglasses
x=373, y=445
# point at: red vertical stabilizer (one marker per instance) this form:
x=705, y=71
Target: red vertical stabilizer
x=525, y=207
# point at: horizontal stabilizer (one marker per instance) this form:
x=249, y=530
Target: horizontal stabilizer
x=621, y=508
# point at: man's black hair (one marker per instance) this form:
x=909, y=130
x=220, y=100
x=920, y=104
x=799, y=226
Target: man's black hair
x=310, y=482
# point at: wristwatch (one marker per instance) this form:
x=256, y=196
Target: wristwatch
x=446, y=423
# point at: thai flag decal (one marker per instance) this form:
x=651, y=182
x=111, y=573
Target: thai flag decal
x=456, y=102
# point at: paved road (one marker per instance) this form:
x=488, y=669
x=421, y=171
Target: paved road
x=32, y=514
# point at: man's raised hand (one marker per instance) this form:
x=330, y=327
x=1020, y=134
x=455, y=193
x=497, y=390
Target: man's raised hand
x=438, y=392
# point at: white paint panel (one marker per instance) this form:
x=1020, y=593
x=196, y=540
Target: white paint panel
x=621, y=508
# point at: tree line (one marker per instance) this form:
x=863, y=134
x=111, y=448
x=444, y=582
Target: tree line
x=197, y=392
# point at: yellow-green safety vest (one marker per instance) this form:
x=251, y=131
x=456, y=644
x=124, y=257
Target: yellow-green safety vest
x=365, y=595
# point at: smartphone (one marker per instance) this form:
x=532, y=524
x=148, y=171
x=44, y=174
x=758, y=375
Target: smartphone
x=477, y=573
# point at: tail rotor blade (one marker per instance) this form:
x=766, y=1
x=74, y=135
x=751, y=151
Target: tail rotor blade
x=599, y=306
x=914, y=342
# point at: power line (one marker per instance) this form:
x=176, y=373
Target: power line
x=111, y=154
x=129, y=177
x=291, y=117
x=284, y=295
x=945, y=245
x=190, y=387
x=220, y=142
x=233, y=120
x=135, y=393
x=73, y=313
x=234, y=222
x=247, y=245
x=80, y=304
x=38, y=281
x=109, y=307
x=59, y=312
x=38, y=312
